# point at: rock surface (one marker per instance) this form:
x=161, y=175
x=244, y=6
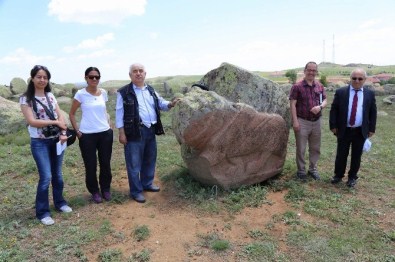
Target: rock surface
x=228, y=144
x=242, y=86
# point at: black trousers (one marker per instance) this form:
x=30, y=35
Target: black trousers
x=102, y=143
x=352, y=138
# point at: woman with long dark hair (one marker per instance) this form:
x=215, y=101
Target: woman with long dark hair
x=46, y=127
x=95, y=135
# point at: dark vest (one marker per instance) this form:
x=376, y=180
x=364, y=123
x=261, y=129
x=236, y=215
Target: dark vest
x=131, y=117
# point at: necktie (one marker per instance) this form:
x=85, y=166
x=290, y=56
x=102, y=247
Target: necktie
x=354, y=107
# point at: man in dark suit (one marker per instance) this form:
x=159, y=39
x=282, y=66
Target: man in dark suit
x=352, y=119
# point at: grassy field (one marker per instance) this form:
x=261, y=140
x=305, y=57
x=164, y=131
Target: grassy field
x=341, y=224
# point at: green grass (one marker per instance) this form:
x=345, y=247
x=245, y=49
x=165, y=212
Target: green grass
x=141, y=233
x=322, y=222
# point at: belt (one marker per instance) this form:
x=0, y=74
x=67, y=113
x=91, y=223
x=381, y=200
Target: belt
x=312, y=119
x=142, y=125
x=354, y=128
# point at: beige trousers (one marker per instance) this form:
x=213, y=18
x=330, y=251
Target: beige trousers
x=310, y=132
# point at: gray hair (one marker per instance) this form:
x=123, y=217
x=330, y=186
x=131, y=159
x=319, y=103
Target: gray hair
x=359, y=70
x=136, y=64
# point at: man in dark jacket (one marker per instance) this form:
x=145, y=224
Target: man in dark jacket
x=138, y=119
x=352, y=120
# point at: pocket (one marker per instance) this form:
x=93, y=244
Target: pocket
x=128, y=126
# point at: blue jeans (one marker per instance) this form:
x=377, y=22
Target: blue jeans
x=49, y=166
x=140, y=157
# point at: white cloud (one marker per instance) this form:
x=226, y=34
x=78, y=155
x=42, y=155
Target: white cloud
x=97, y=54
x=94, y=11
x=22, y=56
x=370, y=23
x=98, y=42
x=153, y=35
x=368, y=46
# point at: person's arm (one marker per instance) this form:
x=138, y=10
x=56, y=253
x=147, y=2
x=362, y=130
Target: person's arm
x=295, y=122
x=105, y=101
x=372, y=117
x=74, y=106
x=38, y=123
x=317, y=109
x=62, y=124
x=333, y=114
x=119, y=119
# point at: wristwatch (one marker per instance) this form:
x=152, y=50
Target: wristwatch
x=321, y=108
x=63, y=133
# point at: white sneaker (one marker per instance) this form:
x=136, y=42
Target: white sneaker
x=47, y=221
x=65, y=209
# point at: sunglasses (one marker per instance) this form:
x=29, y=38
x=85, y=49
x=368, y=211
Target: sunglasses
x=94, y=77
x=357, y=78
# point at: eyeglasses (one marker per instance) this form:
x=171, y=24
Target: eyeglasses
x=357, y=78
x=94, y=77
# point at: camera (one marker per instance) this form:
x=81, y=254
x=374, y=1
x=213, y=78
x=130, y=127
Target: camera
x=49, y=131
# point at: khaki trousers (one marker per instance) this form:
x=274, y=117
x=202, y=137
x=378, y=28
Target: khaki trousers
x=310, y=132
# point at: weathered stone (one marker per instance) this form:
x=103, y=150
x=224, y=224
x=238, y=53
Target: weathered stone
x=64, y=100
x=389, y=100
x=11, y=118
x=228, y=144
x=18, y=86
x=389, y=89
x=242, y=86
x=5, y=92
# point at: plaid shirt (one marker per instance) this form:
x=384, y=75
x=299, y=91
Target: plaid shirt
x=307, y=97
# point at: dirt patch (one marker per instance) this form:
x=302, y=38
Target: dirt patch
x=175, y=227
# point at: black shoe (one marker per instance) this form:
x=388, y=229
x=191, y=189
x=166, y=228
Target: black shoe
x=152, y=189
x=139, y=198
x=336, y=180
x=314, y=175
x=301, y=176
x=351, y=182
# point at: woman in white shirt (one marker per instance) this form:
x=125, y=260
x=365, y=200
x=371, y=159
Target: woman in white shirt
x=94, y=134
x=46, y=128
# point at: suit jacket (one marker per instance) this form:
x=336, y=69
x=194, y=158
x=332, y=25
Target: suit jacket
x=339, y=111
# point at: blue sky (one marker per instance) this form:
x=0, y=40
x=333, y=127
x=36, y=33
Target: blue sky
x=186, y=37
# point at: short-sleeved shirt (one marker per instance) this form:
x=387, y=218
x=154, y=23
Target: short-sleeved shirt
x=37, y=132
x=307, y=97
x=94, y=118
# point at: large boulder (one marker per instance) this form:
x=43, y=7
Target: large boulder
x=228, y=144
x=389, y=100
x=5, y=92
x=18, y=86
x=242, y=86
x=389, y=89
x=11, y=118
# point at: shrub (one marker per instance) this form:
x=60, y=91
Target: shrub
x=291, y=75
x=141, y=233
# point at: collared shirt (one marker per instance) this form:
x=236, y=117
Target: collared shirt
x=358, y=116
x=307, y=97
x=146, y=107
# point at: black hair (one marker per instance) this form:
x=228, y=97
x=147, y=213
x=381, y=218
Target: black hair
x=311, y=62
x=90, y=69
x=30, y=91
